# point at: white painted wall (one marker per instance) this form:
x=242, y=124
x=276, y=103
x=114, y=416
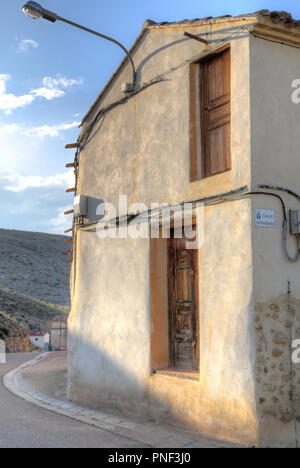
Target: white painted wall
x=40, y=341
x=142, y=150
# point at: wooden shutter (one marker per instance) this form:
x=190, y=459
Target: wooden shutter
x=215, y=113
x=183, y=315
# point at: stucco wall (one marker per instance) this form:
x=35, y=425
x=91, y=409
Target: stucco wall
x=275, y=161
x=59, y=339
x=142, y=150
x=39, y=341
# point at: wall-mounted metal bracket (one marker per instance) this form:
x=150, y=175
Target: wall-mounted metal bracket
x=196, y=38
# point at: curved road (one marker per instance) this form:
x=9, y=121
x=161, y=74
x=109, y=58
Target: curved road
x=23, y=425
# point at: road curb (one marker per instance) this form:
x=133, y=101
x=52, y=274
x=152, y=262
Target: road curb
x=148, y=433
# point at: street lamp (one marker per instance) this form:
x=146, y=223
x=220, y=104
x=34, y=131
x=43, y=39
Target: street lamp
x=35, y=11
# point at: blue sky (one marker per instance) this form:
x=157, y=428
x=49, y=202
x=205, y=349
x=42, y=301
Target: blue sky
x=50, y=74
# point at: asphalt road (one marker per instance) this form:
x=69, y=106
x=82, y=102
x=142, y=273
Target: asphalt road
x=23, y=425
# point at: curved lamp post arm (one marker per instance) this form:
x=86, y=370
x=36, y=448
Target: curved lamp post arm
x=108, y=39
x=35, y=11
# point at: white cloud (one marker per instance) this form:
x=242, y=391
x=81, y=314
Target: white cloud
x=48, y=93
x=9, y=128
x=48, y=130
x=38, y=132
x=19, y=183
x=61, y=222
x=10, y=101
x=3, y=78
x=36, y=203
x=62, y=81
x=51, y=89
x=26, y=44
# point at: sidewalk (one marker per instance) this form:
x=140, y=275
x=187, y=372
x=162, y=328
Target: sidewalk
x=43, y=382
x=49, y=376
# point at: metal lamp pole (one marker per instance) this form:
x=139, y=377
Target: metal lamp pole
x=35, y=11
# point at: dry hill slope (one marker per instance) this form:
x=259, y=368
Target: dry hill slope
x=34, y=280
x=34, y=264
x=32, y=314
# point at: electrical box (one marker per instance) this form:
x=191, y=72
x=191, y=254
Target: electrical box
x=80, y=205
x=295, y=222
x=126, y=87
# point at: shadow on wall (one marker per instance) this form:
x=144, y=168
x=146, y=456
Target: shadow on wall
x=97, y=380
x=208, y=36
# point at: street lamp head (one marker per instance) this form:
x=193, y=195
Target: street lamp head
x=35, y=11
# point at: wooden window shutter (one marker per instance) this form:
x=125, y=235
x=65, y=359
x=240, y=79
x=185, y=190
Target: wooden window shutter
x=215, y=113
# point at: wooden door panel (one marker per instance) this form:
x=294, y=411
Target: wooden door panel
x=183, y=307
x=184, y=356
x=183, y=284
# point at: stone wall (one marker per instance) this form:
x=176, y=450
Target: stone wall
x=273, y=362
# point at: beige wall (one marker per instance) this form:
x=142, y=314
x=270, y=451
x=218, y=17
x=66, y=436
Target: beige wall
x=59, y=336
x=142, y=150
x=275, y=161
x=58, y=325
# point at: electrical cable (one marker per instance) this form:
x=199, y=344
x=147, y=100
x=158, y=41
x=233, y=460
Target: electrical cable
x=150, y=212
x=282, y=189
x=295, y=195
x=210, y=200
x=157, y=79
x=284, y=225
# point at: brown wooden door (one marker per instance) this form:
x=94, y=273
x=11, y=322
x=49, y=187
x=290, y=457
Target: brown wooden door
x=215, y=113
x=183, y=310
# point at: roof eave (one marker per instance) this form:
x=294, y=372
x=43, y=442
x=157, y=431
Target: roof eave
x=149, y=25
x=281, y=32
x=277, y=26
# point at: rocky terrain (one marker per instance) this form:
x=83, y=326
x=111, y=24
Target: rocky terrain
x=15, y=336
x=32, y=314
x=34, y=264
x=34, y=284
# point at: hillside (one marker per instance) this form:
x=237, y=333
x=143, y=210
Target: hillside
x=15, y=337
x=34, y=264
x=34, y=281
x=31, y=314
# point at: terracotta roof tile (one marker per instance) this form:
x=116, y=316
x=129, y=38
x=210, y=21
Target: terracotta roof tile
x=276, y=17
